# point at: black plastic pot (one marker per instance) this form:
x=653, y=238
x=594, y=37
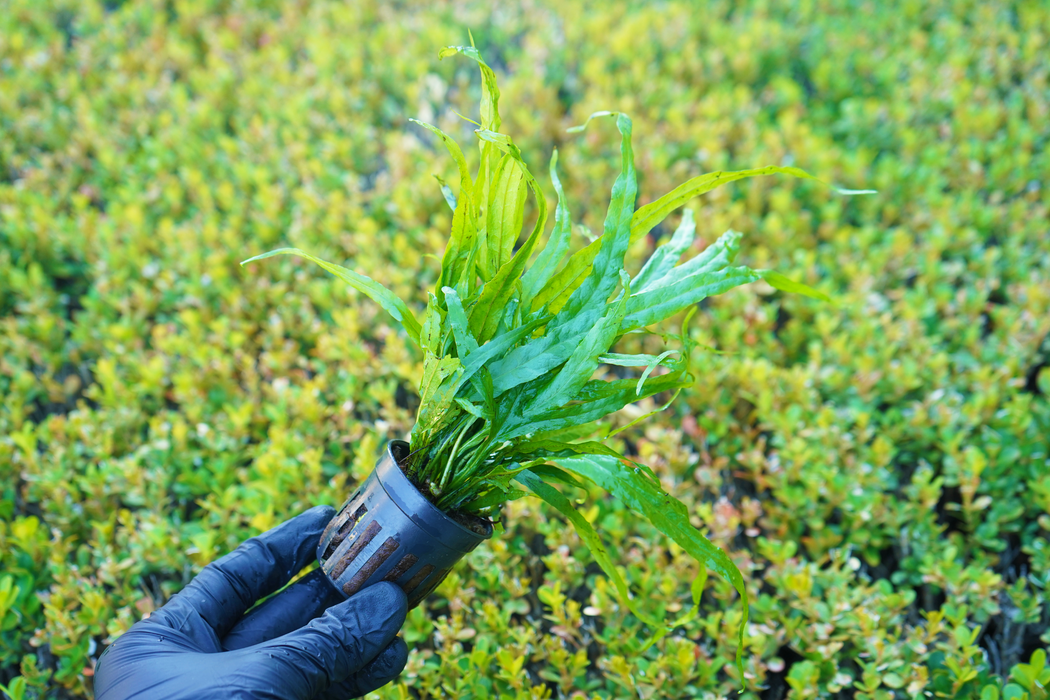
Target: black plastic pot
x=388, y=531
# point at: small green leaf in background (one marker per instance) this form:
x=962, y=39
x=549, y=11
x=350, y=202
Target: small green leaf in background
x=16, y=689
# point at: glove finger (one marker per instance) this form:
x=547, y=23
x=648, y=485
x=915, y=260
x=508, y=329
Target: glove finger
x=288, y=610
x=383, y=669
x=226, y=588
x=329, y=649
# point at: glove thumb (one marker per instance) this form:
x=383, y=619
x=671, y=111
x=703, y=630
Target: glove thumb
x=331, y=648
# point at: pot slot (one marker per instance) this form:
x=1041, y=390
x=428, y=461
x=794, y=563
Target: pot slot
x=363, y=541
x=427, y=588
x=375, y=561
x=344, y=530
x=402, y=567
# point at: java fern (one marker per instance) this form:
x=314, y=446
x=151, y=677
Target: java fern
x=507, y=397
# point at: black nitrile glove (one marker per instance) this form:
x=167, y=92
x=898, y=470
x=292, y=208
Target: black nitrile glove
x=201, y=645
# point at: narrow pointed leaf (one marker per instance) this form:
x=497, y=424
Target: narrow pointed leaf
x=488, y=311
x=717, y=256
x=555, y=449
x=470, y=408
x=447, y=193
x=496, y=347
x=596, y=400
x=430, y=333
x=541, y=271
x=465, y=342
x=532, y=360
x=493, y=498
x=647, y=217
x=590, y=538
x=505, y=214
x=466, y=183
x=580, y=365
x=785, y=284
x=366, y=285
x=490, y=119
x=556, y=475
x=651, y=366
x=667, y=256
x=568, y=279
x=656, y=305
x=669, y=516
x=457, y=263
x=437, y=389
x=639, y=360
x=591, y=295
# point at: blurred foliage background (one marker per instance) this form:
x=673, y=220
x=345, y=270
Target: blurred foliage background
x=878, y=467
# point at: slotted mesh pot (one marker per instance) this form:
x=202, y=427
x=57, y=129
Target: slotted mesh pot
x=388, y=531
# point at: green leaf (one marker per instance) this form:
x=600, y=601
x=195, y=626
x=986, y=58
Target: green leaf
x=530, y=361
x=784, y=284
x=470, y=408
x=554, y=449
x=585, y=304
x=465, y=342
x=436, y=391
x=651, y=366
x=1012, y=691
x=556, y=475
x=990, y=692
x=446, y=192
x=466, y=183
x=596, y=400
x=713, y=258
x=457, y=263
x=589, y=537
x=647, y=217
x=580, y=365
x=667, y=514
x=568, y=279
x=493, y=498
x=9, y=593
x=430, y=333
x=666, y=256
x=572, y=433
x=650, y=362
x=16, y=689
x=489, y=90
x=619, y=360
x=658, y=304
x=1023, y=674
x=541, y=271
x=584, y=308
x=482, y=381
x=488, y=311
x=505, y=214
x=366, y=285
x=498, y=346
x=490, y=120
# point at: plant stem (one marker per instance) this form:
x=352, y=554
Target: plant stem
x=452, y=455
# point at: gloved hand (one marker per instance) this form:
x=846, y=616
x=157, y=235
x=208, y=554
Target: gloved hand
x=201, y=645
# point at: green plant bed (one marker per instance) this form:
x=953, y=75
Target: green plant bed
x=874, y=466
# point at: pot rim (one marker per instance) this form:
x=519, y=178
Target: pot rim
x=415, y=505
